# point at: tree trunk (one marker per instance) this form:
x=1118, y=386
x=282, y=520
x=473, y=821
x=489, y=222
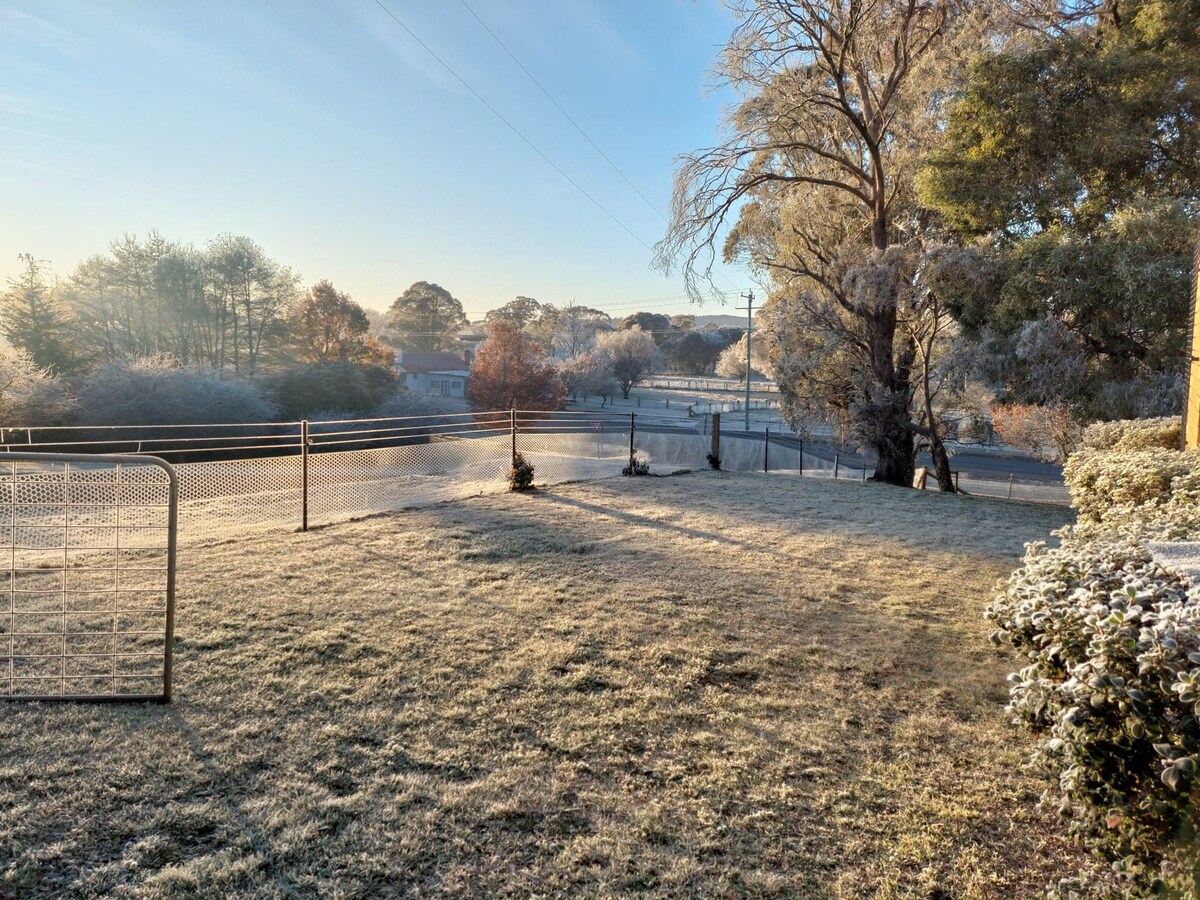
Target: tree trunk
x=894, y=451
x=894, y=438
x=941, y=464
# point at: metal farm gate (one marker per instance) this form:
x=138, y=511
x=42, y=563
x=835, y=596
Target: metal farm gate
x=90, y=611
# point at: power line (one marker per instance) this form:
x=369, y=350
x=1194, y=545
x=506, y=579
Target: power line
x=570, y=119
x=566, y=114
x=634, y=305
x=511, y=126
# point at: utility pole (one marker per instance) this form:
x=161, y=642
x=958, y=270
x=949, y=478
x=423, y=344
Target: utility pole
x=749, y=307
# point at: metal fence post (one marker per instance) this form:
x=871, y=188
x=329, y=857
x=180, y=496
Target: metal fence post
x=304, y=475
x=172, y=551
x=1010, y=484
x=836, y=461
x=632, y=416
x=715, y=448
x=512, y=430
x=766, y=448
x=801, y=442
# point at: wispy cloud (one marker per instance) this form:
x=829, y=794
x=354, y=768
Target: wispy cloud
x=553, y=29
x=10, y=164
x=27, y=27
x=588, y=19
x=244, y=76
x=396, y=41
x=42, y=135
x=32, y=107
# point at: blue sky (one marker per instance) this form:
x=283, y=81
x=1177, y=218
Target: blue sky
x=327, y=134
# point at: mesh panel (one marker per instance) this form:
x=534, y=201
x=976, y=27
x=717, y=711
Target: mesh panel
x=1029, y=490
x=218, y=500
x=87, y=588
x=358, y=482
x=574, y=456
x=669, y=445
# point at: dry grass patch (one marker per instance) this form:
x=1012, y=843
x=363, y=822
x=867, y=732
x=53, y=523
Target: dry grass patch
x=715, y=685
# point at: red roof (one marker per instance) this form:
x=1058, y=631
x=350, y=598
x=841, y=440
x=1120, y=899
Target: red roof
x=413, y=362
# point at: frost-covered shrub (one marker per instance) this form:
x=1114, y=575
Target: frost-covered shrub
x=404, y=403
x=352, y=389
x=1112, y=689
x=30, y=395
x=1175, y=519
x=1106, y=485
x=158, y=391
x=637, y=465
x=1148, y=395
x=520, y=476
x=1134, y=434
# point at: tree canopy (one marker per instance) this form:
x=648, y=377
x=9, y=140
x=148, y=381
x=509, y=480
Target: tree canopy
x=34, y=319
x=426, y=317
x=510, y=371
x=328, y=325
x=632, y=355
x=1073, y=155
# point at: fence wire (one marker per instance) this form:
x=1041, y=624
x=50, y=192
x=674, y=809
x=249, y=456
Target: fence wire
x=349, y=483
x=90, y=591
x=241, y=478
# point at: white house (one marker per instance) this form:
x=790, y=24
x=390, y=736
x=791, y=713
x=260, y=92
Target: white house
x=433, y=373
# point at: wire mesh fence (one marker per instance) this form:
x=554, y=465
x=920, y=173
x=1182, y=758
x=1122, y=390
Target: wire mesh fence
x=785, y=453
x=249, y=477
x=1030, y=490
x=91, y=544
x=445, y=465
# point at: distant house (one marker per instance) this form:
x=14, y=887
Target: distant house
x=433, y=373
x=470, y=343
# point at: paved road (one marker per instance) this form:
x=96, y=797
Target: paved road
x=973, y=463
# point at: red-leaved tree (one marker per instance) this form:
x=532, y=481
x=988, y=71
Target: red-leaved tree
x=512, y=372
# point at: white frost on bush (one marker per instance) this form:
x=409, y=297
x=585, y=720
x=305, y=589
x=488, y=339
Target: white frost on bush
x=1111, y=640
x=30, y=396
x=1112, y=689
x=1134, y=434
x=157, y=391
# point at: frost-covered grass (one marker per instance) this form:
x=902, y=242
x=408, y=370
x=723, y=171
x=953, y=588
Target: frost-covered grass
x=711, y=685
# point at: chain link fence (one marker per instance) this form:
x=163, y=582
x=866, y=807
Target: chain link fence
x=285, y=476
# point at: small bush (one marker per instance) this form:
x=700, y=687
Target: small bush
x=404, y=403
x=158, y=391
x=1112, y=689
x=343, y=387
x=520, y=476
x=637, y=465
x=1134, y=434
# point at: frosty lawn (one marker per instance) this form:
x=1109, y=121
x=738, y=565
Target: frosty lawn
x=706, y=685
